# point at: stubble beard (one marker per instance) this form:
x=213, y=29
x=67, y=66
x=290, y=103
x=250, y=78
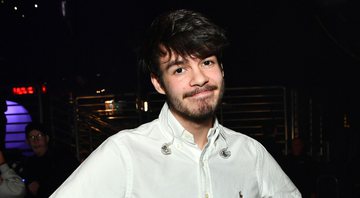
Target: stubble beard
x=202, y=109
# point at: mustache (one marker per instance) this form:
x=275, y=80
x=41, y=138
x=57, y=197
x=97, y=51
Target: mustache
x=199, y=90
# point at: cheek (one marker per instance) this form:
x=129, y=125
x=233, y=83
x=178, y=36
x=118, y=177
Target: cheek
x=174, y=86
x=219, y=74
x=39, y=143
x=216, y=78
x=221, y=77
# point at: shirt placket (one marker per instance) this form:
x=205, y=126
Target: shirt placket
x=205, y=189
x=205, y=174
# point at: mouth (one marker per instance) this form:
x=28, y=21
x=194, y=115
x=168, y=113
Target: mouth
x=201, y=92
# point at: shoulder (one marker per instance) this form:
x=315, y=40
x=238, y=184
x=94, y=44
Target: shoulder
x=11, y=184
x=244, y=143
x=129, y=139
x=147, y=130
x=4, y=168
x=238, y=136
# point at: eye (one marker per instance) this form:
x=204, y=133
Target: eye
x=208, y=63
x=179, y=70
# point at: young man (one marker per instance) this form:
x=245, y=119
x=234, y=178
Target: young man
x=185, y=152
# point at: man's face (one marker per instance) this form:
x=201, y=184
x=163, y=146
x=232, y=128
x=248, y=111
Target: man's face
x=193, y=87
x=38, y=142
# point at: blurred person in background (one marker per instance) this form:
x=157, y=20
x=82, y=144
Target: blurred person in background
x=49, y=166
x=301, y=168
x=11, y=184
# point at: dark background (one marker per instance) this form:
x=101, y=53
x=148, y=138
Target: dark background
x=305, y=44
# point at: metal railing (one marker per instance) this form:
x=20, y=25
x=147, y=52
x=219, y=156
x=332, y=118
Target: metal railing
x=244, y=109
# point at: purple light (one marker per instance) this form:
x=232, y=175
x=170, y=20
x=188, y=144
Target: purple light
x=17, y=119
x=15, y=137
x=15, y=128
x=14, y=108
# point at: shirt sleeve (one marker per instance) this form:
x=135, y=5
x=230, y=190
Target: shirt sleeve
x=11, y=184
x=273, y=181
x=96, y=176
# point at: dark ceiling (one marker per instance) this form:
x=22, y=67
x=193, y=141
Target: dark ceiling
x=293, y=43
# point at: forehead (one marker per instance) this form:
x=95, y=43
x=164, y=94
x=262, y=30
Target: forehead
x=171, y=57
x=35, y=132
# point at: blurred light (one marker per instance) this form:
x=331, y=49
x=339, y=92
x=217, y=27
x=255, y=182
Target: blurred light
x=100, y=91
x=23, y=16
x=28, y=90
x=109, y=105
x=23, y=90
x=35, y=5
x=15, y=8
x=146, y=106
x=43, y=89
x=17, y=118
x=63, y=8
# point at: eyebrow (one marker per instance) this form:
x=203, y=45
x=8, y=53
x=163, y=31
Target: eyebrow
x=174, y=62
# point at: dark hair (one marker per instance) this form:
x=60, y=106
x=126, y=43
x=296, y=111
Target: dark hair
x=184, y=32
x=35, y=126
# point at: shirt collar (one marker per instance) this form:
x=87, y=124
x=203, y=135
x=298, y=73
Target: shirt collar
x=173, y=128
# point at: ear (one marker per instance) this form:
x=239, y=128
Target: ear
x=157, y=84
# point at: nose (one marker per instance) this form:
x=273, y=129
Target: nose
x=199, y=78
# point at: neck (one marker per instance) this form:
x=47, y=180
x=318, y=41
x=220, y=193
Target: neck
x=199, y=129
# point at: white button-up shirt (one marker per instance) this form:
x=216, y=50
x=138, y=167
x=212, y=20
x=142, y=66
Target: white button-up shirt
x=131, y=164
